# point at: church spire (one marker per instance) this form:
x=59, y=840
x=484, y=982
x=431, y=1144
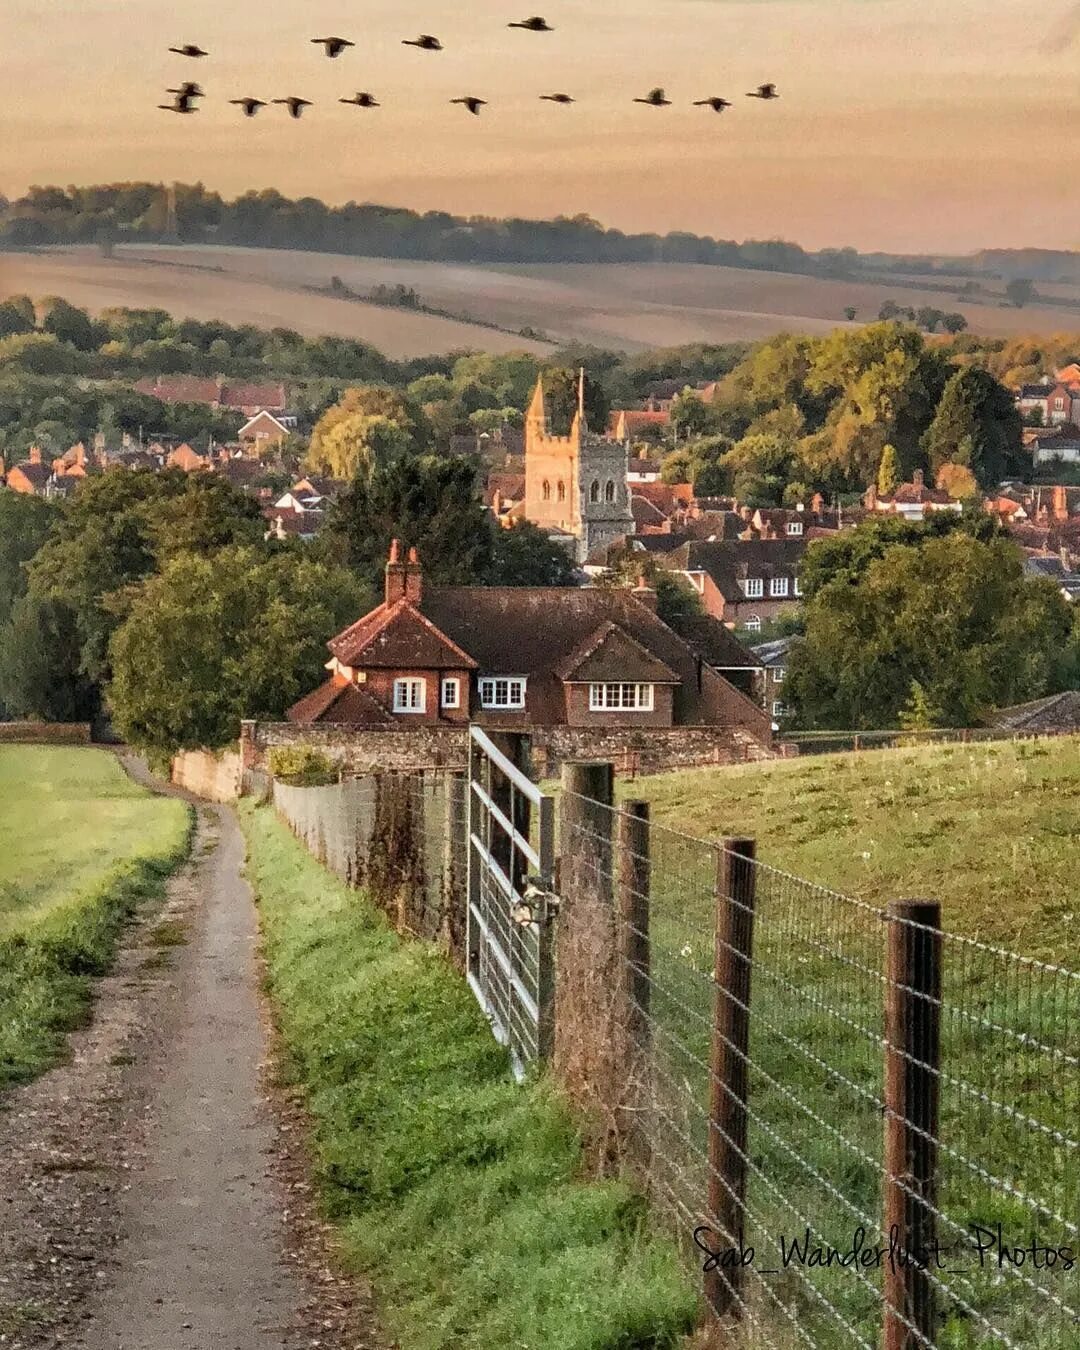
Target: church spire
x=537, y=417
x=579, y=416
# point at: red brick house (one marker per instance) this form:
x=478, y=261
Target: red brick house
x=232, y=395
x=530, y=657
x=742, y=582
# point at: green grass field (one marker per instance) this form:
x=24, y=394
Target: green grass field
x=82, y=846
x=993, y=831
x=458, y=1191
x=990, y=830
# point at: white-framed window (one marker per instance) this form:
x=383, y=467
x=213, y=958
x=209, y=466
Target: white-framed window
x=778, y=586
x=498, y=691
x=620, y=698
x=778, y=709
x=754, y=588
x=410, y=696
x=798, y=588
x=451, y=692
x=753, y=623
x=795, y=528
x=778, y=673
x=1059, y=405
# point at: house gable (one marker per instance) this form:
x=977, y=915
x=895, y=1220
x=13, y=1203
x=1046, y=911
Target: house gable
x=398, y=637
x=611, y=654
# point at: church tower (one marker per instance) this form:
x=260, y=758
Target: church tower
x=576, y=486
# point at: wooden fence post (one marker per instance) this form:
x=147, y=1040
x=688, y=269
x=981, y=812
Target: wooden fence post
x=585, y=1000
x=912, y=1060
x=735, y=894
x=633, y=954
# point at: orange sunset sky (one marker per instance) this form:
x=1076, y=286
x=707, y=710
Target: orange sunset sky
x=903, y=124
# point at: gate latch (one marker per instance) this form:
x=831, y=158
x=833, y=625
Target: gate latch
x=539, y=904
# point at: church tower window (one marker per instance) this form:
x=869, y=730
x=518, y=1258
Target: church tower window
x=594, y=491
x=609, y=490
x=546, y=490
x=561, y=490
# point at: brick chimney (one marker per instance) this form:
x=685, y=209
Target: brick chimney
x=918, y=479
x=645, y=594
x=1060, y=503
x=404, y=580
x=817, y=503
x=35, y=454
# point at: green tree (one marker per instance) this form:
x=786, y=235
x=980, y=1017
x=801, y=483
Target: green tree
x=918, y=713
x=39, y=663
x=1020, y=291
x=366, y=421
x=523, y=555
x=211, y=640
x=976, y=424
x=850, y=312
x=561, y=393
x=888, y=474
x=954, y=613
x=68, y=324
x=17, y=316
x=24, y=524
x=954, y=322
x=428, y=503
x=119, y=528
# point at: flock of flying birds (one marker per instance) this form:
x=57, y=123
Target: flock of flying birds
x=187, y=95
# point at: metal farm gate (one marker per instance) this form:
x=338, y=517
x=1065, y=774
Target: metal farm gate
x=511, y=906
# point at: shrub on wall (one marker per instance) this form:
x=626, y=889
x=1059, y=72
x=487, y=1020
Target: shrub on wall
x=301, y=766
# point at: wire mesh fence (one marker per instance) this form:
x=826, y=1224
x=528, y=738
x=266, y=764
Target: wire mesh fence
x=867, y=1128
x=796, y=1070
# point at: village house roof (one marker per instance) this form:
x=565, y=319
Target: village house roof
x=774, y=653
x=610, y=653
x=398, y=637
x=236, y=396
x=1058, y=713
x=729, y=563
x=632, y=421
x=337, y=701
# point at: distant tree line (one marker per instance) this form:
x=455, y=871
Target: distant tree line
x=137, y=212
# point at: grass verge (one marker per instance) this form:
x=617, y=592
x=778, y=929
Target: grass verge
x=83, y=847
x=457, y=1191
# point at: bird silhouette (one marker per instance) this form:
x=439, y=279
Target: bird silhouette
x=557, y=98
x=765, y=91
x=716, y=104
x=189, y=49
x=362, y=100
x=250, y=105
x=295, y=105
x=188, y=90
x=183, y=104
x=425, y=42
x=655, y=98
x=334, y=45
x=473, y=103
x=534, y=25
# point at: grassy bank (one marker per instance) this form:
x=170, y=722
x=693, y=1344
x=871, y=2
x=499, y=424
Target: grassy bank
x=82, y=846
x=456, y=1190
x=990, y=830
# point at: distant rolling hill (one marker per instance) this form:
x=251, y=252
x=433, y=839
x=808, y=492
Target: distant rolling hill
x=629, y=306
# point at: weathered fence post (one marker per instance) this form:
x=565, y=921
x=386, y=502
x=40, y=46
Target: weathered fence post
x=585, y=997
x=912, y=1061
x=633, y=953
x=735, y=894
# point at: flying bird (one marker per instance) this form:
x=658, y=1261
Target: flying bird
x=250, y=105
x=362, y=100
x=473, y=103
x=425, y=42
x=334, y=45
x=557, y=98
x=189, y=49
x=765, y=91
x=295, y=105
x=187, y=90
x=534, y=25
x=655, y=98
x=716, y=104
x=181, y=105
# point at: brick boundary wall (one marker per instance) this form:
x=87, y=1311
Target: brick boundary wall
x=44, y=733
x=214, y=778
x=359, y=750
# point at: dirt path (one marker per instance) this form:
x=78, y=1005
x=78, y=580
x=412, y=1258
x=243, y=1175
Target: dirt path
x=158, y=1200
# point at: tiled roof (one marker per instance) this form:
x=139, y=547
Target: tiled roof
x=398, y=637
x=337, y=702
x=728, y=562
x=1059, y=712
x=611, y=654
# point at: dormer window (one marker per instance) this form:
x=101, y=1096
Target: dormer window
x=778, y=587
x=506, y=693
x=795, y=528
x=754, y=588
x=620, y=698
